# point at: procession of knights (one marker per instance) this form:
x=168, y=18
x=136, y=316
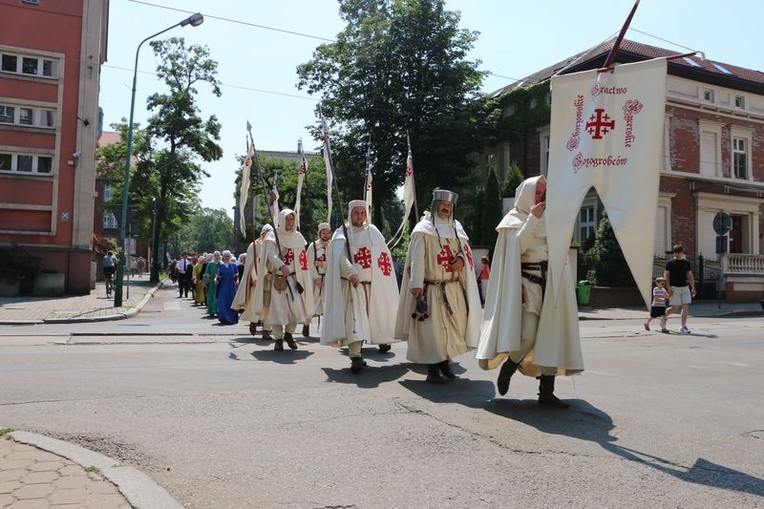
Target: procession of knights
x=516, y=313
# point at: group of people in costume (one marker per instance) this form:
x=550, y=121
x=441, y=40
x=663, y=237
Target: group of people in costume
x=347, y=279
x=211, y=279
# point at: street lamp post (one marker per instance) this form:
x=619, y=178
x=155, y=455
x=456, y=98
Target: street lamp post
x=194, y=20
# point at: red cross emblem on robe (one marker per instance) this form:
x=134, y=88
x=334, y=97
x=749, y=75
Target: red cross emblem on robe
x=444, y=258
x=288, y=256
x=303, y=260
x=363, y=257
x=383, y=262
x=468, y=254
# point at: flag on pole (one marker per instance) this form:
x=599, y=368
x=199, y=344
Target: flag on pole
x=367, y=184
x=328, y=164
x=302, y=171
x=275, y=205
x=245, y=183
x=409, y=196
x=607, y=133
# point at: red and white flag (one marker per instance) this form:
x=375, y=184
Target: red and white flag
x=329, y=166
x=302, y=171
x=607, y=133
x=409, y=195
x=244, y=188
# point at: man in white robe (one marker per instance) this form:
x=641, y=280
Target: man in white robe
x=253, y=310
x=439, y=276
x=317, y=265
x=292, y=288
x=522, y=321
x=361, y=287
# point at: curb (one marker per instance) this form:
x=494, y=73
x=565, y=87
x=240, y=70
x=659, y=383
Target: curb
x=138, y=488
x=107, y=318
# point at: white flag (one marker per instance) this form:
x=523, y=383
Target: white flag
x=244, y=189
x=607, y=133
x=302, y=170
x=275, y=205
x=329, y=168
x=367, y=189
x=409, y=196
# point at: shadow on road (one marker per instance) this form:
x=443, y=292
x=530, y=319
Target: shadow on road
x=586, y=422
x=286, y=357
x=369, y=378
x=470, y=393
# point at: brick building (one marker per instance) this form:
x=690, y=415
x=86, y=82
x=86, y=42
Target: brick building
x=51, y=54
x=713, y=158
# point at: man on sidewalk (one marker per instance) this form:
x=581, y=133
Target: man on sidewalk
x=183, y=270
x=679, y=275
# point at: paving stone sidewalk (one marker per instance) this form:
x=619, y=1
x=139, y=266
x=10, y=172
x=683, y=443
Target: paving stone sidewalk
x=80, y=308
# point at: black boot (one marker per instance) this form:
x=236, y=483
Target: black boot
x=433, y=374
x=290, y=340
x=356, y=364
x=445, y=369
x=252, y=328
x=505, y=374
x=306, y=330
x=546, y=393
x=279, y=345
x=384, y=348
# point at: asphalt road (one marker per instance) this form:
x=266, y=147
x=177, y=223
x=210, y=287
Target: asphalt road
x=220, y=420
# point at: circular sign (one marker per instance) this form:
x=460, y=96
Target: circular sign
x=722, y=223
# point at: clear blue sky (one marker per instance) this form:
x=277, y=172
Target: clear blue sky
x=257, y=64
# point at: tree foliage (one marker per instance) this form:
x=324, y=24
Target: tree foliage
x=207, y=230
x=398, y=67
x=178, y=136
x=607, y=265
x=513, y=181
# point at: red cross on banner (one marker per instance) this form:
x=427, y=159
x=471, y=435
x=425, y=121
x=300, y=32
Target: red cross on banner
x=363, y=257
x=599, y=124
x=288, y=256
x=303, y=260
x=383, y=262
x=444, y=258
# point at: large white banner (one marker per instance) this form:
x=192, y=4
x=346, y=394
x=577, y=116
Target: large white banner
x=607, y=133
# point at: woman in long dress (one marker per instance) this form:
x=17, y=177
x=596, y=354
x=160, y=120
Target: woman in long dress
x=228, y=277
x=210, y=279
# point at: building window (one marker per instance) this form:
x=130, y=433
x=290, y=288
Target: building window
x=106, y=193
x=587, y=223
x=740, y=101
x=24, y=116
x=29, y=65
x=109, y=221
x=7, y=114
x=26, y=163
x=740, y=158
x=708, y=95
x=710, y=148
x=544, y=151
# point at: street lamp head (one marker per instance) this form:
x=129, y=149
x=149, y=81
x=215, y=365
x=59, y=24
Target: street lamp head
x=194, y=20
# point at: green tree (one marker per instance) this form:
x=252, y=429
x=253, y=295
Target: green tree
x=514, y=179
x=207, y=230
x=399, y=66
x=179, y=136
x=605, y=261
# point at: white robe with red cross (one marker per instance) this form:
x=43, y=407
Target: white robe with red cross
x=365, y=312
x=453, y=325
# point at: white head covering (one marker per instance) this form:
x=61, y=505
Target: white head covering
x=525, y=198
x=324, y=226
x=357, y=203
x=282, y=219
x=226, y=253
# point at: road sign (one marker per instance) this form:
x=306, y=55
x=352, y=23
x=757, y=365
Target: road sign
x=722, y=223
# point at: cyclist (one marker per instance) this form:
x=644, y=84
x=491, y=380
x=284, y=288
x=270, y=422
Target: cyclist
x=109, y=267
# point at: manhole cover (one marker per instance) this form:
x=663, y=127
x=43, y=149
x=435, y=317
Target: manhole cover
x=759, y=433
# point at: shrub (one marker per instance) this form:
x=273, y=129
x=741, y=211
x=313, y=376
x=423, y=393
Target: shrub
x=18, y=264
